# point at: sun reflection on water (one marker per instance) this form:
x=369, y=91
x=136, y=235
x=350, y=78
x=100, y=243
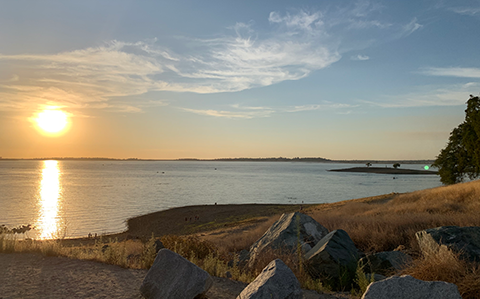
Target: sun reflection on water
x=48, y=223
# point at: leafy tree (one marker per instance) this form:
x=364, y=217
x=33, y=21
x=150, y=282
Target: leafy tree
x=461, y=157
x=396, y=165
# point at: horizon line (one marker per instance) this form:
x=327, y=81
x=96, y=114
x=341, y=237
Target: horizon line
x=280, y=158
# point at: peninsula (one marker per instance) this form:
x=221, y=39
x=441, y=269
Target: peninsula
x=384, y=170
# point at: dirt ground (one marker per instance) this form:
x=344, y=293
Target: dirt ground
x=28, y=275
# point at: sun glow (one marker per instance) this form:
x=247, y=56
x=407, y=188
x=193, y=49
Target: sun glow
x=52, y=122
x=49, y=201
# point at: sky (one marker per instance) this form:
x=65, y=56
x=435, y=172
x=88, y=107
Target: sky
x=215, y=79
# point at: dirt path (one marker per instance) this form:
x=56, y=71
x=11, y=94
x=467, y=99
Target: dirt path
x=25, y=275
x=28, y=275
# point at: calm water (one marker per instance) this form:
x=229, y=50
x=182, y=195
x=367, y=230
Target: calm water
x=80, y=197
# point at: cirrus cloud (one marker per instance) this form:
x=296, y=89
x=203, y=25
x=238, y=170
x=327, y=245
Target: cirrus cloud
x=295, y=45
x=464, y=72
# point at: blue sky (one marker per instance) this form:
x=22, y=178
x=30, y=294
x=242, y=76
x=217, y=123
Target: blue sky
x=208, y=79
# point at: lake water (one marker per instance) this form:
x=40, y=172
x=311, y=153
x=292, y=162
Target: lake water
x=74, y=198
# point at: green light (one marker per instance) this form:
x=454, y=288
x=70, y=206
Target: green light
x=426, y=167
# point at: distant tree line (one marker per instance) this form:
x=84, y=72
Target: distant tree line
x=275, y=159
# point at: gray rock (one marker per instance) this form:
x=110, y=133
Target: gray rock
x=335, y=253
x=459, y=239
x=407, y=287
x=285, y=234
x=276, y=281
x=385, y=262
x=172, y=276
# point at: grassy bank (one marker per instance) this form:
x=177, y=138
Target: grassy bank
x=216, y=234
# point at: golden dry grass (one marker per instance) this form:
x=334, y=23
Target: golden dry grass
x=128, y=254
x=240, y=237
x=445, y=265
x=384, y=222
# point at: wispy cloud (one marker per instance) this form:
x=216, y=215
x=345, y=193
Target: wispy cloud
x=452, y=72
x=13, y=78
x=411, y=27
x=360, y=57
x=468, y=8
x=117, y=69
x=80, y=78
x=302, y=20
x=247, y=112
x=244, y=61
x=293, y=46
x=365, y=24
x=469, y=11
x=232, y=114
x=326, y=105
x=451, y=95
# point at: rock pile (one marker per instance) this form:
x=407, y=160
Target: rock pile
x=329, y=256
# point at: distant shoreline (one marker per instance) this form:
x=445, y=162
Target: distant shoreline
x=384, y=170
x=271, y=159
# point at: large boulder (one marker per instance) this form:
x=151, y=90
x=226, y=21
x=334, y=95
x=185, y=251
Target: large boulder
x=385, y=262
x=407, y=287
x=173, y=276
x=276, y=281
x=332, y=256
x=465, y=240
x=287, y=233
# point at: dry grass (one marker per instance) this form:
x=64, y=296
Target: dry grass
x=385, y=222
x=444, y=265
x=239, y=238
x=127, y=254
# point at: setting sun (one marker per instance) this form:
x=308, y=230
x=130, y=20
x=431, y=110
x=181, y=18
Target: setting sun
x=52, y=122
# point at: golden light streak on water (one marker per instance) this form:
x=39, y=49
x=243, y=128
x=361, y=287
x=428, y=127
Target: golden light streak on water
x=48, y=223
